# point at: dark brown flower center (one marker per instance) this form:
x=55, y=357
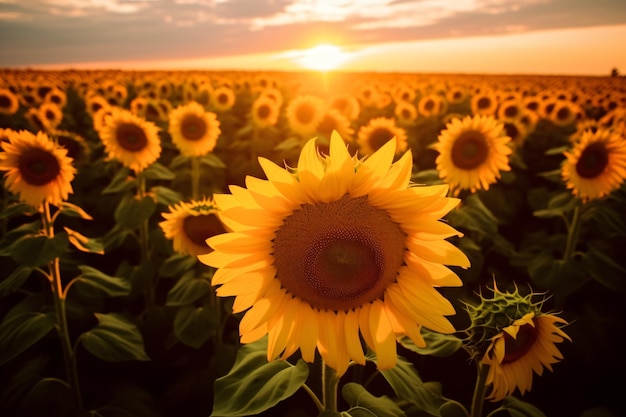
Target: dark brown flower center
x=131, y=137
x=484, y=103
x=339, y=255
x=193, y=127
x=222, y=98
x=5, y=101
x=512, y=131
x=511, y=111
x=563, y=113
x=199, y=228
x=379, y=137
x=305, y=113
x=515, y=349
x=592, y=161
x=406, y=114
x=263, y=111
x=429, y=105
x=470, y=150
x=38, y=167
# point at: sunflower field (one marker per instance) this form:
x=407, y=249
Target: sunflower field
x=212, y=243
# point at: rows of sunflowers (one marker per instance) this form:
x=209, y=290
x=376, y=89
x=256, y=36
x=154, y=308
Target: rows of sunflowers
x=301, y=244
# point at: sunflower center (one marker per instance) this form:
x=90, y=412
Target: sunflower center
x=511, y=111
x=263, y=112
x=483, y=103
x=516, y=348
x=592, y=161
x=305, y=113
x=222, y=98
x=339, y=255
x=379, y=137
x=38, y=167
x=5, y=101
x=470, y=150
x=429, y=105
x=193, y=127
x=131, y=137
x=563, y=113
x=199, y=228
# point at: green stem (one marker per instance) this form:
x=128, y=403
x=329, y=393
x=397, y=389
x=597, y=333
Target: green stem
x=479, y=391
x=144, y=233
x=572, y=234
x=330, y=382
x=318, y=403
x=195, y=178
x=69, y=357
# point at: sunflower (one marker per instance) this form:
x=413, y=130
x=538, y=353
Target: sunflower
x=50, y=115
x=379, y=131
x=37, y=168
x=223, y=98
x=565, y=113
x=265, y=111
x=336, y=250
x=56, y=96
x=347, y=104
x=9, y=102
x=130, y=139
x=190, y=224
x=525, y=346
x=484, y=103
x=334, y=121
x=509, y=110
x=432, y=105
x=304, y=114
x=405, y=113
x=95, y=103
x=472, y=152
x=138, y=106
x=77, y=147
x=194, y=131
x=596, y=165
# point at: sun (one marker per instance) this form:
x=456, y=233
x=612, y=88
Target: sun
x=324, y=57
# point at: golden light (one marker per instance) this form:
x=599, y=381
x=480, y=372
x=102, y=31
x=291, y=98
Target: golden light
x=323, y=57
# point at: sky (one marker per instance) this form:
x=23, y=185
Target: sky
x=577, y=37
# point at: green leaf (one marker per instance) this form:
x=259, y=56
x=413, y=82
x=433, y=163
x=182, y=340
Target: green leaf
x=453, y=409
x=474, y=215
x=558, y=150
x=364, y=404
x=558, y=205
x=114, y=339
x=17, y=209
x=20, y=331
x=187, y=290
x=556, y=275
x=115, y=237
x=178, y=161
x=427, y=177
x=212, y=160
x=437, y=344
x=92, y=282
x=177, y=265
x=519, y=408
x=254, y=385
x=132, y=212
x=407, y=385
x=603, y=268
x=72, y=210
x=166, y=196
x=195, y=325
x=122, y=181
x=38, y=250
x=84, y=243
x=157, y=171
x=13, y=235
x=15, y=280
x=289, y=144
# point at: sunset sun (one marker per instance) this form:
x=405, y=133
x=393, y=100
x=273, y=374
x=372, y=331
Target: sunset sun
x=323, y=57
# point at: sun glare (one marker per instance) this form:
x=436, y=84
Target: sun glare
x=322, y=57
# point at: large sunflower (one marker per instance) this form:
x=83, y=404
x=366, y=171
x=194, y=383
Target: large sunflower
x=472, y=152
x=194, y=131
x=379, y=131
x=37, y=168
x=336, y=250
x=130, y=139
x=190, y=224
x=525, y=346
x=596, y=165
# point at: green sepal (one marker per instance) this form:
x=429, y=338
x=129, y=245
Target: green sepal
x=114, y=339
x=94, y=283
x=194, y=325
x=122, y=181
x=20, y=331
x=187, y=290
x=437, y=344
x=364, y=404
x=254, y=385
x=132, y=212
x=38, y=250
x=14, y=281
x=156, y=171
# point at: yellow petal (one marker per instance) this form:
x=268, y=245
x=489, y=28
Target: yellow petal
x=383, y=336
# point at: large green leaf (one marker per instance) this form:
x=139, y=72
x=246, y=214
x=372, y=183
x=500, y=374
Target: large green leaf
x=114, y=339
x=437, y=344
x=212, y=160
x=603, y=268
x=131, y=212
x=519, y=408
x=84, y=243
x=254, y=385
x=177, y=265
x=165, y=196
x=20, y=331
x=38, y=250
x=364, y=404
x=194, y=325
x=557, y=275
x=157, y=171
x=122, y=181
x=72, y=210
x=15, y=280
x=92, y=282
x=187, y=290
x=407, y=385
x=16, y=209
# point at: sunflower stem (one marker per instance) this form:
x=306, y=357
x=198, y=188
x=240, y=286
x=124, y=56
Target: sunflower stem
x=144, y=233
x=195, y=178
x=330, y=382
x=479, y=391
x=318, y=403
x=58, y=296
x=572, y=234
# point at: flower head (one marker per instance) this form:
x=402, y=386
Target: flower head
x=194, y=131
x=336, y=251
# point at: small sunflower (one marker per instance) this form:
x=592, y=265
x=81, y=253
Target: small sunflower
x=347, y=104
x=130, y=139
x=379, y=131
x=304, y=114
x=37, y=168
x=223, y=98
x=596, y=165
x=9, y=102
x=484, y=103
x=432, y=105
x=56, y=96
x=405, y=113
x=265, y=111
x=472, y=152
x=50, y=115
x=334, y=121
x=77, y=147
x=194, y=131
x=336, y=250
x=190, y=224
